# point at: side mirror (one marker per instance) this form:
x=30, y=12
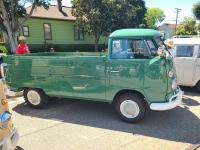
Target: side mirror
x=163, y=37
x=161, y=52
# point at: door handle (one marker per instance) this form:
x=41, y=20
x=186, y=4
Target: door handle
x=114, y=71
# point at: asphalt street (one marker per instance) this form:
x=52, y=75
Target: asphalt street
x=81, y=125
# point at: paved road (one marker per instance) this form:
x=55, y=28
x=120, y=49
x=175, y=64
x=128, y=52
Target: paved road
x=74, y=125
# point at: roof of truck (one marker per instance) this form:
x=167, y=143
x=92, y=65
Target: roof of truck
x=136, y=33
x=186, y=41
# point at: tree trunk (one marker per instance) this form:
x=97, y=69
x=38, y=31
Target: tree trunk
x=96, y=47
x=12, y=43
x=96, y=44
x=12, y=38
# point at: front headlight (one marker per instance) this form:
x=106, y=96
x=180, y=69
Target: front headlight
x=4, y=118
x=174, y=84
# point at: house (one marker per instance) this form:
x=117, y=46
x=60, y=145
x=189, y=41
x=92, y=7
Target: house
x=50, y=29
x=168, y=29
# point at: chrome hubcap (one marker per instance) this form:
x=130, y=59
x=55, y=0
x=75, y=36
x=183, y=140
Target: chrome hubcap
x=33, y=97
x=129, y=109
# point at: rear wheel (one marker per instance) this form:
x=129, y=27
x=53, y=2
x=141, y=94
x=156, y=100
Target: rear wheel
x=130, y=107
x=35, y=98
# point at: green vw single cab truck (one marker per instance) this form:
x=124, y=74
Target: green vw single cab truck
x=136, y=74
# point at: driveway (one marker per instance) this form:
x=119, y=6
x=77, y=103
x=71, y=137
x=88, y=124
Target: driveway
x=73, y=125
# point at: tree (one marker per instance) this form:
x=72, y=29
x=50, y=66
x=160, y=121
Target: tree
x=196, y=10
x=13, y=14
x=101, y=17
x=11, y=11
x=153, y=16
x=187, y=27
x=129, y=14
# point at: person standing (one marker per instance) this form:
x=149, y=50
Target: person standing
x=22, y=47
x=170, y=46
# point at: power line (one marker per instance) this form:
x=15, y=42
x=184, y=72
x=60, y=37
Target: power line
x=177, y=11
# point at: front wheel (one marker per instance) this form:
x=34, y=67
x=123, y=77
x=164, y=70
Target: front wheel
x=35, y=98
x=130, y=107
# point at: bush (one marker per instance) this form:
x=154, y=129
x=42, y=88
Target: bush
x=3, y=49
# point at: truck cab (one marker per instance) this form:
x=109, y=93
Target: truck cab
x=134, y=75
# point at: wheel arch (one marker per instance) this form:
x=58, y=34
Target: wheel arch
x=39, y=100
x=132, y=92
x=23, y=88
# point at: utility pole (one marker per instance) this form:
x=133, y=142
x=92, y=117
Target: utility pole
x=177, y=11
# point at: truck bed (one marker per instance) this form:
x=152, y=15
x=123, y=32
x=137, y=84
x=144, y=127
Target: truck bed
x=59, y=73
x=66, y=54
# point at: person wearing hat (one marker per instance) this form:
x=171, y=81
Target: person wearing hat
x=170, y=47
x=22, y=47
x=169, y=44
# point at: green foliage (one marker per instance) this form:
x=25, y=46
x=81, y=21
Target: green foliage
x=17, y=9
x=153, y=16
x=196, y=10
x=101, y=17
x=128, y=14
x=198, y=27
x=3, y=49
x=187, y=27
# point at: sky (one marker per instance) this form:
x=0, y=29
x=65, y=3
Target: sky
x=168, y=6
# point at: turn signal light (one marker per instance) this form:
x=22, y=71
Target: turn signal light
x=4, y=101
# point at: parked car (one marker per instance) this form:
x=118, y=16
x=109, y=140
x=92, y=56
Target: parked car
x=8, y=133
x=130, y=75
x=187, y=61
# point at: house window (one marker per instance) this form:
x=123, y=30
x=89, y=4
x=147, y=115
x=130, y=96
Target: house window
x=78, y=33
x=25, y=31
x=47, y=31
x=2, y=38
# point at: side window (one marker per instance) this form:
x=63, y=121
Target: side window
x=129, y=49
x=184, y=51
x=25, y=31
x=198, y=55
x=140, y=49
x=152, y=46
x=78, y=33
x=47, y=31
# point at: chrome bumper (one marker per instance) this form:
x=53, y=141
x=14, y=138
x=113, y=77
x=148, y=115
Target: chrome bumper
x=174, y=101
x=10, y=141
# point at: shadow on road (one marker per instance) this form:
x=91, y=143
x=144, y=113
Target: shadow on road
x=179, y=124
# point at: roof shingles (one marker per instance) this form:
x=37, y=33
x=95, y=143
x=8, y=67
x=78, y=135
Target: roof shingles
x=52, y=13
